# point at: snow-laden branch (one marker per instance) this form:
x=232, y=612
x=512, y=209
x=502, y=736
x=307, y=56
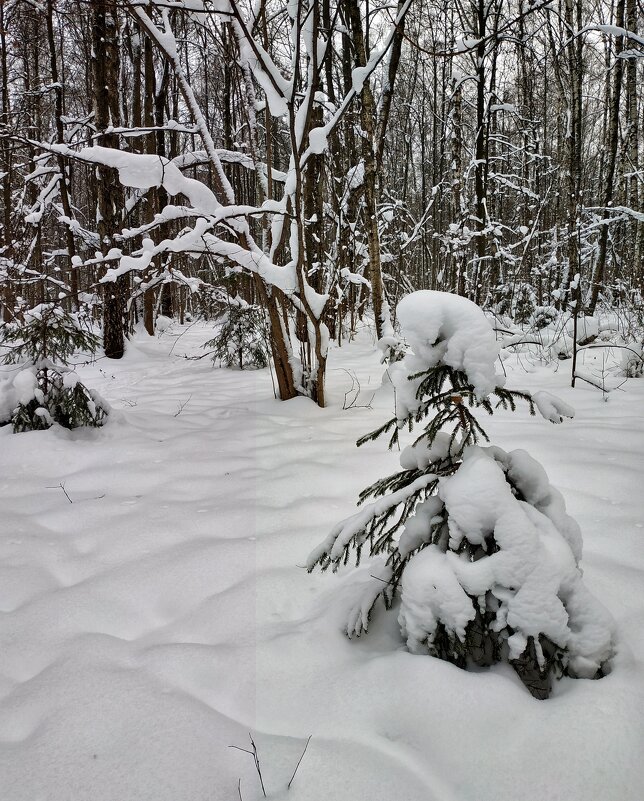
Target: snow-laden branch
x=318, y=136
x=167, y=43
x=144, y=171
x=341, y=535
x=199, y=240
x=614, y=30
x=551, y=407
x=278, y=89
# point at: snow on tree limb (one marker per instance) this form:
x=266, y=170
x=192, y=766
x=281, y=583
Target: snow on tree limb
x=342, y=534
x=551, y=407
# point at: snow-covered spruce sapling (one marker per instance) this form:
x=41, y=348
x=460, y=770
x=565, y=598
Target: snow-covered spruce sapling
x=46, y=390
x=241, y=340
x=475, y=540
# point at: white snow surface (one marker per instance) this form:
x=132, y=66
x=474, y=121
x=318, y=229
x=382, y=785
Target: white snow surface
x=164, y=613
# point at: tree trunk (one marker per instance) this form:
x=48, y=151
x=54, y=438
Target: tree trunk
x=611, y=155
x=105, y=63
x=6, y=237
x=367, y=122
x=633, y=121
x=60, y=138
x=573, y=141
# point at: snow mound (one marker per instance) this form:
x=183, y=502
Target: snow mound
x=527, y=571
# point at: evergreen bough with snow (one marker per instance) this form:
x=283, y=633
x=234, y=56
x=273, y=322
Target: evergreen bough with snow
x=475, y=540
x=45, y=390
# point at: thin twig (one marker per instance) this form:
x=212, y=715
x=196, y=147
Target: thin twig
x=239, y=748
x=196, y=358
x=288, y=786
x=62, y=487
x=255, y=756
x=355, y=383
x=180, y=335
x=591, y=382
x=182, y=406
x=257, y=765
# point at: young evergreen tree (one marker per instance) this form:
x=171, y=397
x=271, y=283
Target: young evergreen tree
x=241, y=339
x=46, y=390
x=476, y=539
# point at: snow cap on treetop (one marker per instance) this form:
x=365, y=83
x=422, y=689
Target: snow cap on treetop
x=441, y=327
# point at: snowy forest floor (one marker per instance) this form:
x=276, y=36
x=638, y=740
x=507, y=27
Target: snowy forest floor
x=154, y=607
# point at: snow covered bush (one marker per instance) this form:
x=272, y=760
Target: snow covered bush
x=633, y=360
x=45, y=390
x=241, y=340
x=543, y=316
x=475, y=540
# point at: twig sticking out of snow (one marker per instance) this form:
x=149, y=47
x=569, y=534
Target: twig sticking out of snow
x=62, y=487
x=182, y=406
x=288, y=786
x=255, y=756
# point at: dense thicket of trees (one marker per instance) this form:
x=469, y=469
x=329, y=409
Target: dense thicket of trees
x=317, y=158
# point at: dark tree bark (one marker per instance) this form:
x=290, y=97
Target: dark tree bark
x=6, y=235
x=60, y=138
x=367, y=121
x=105, y=64
x=612, y=142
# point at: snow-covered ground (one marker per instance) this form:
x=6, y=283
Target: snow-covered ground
x=155, y=608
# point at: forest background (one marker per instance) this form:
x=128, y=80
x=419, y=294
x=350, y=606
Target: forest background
x=289, y=165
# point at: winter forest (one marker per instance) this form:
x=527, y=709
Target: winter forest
x=321, y=400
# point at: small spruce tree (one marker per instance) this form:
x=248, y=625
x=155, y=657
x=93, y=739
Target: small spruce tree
x=241, y=339
x=46, y=390
x=475, y=540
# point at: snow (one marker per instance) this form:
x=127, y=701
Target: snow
x=164, y=613
x=278, y=90
x=24, y=385
x=318, y=140
x=531, y=573
x=431, y=594
x=441, y=327
x=355, y=176
x=417, y=528
x=451, y=329
x=142, y=171
x=419, y=455
x=552, y=408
